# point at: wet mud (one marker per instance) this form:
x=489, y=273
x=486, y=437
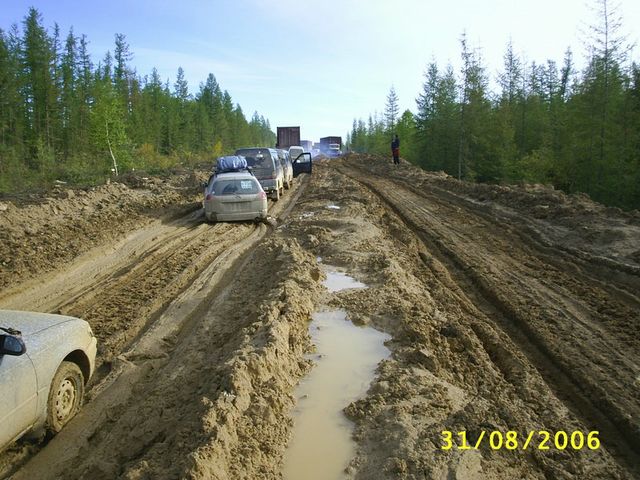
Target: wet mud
x=508, y=309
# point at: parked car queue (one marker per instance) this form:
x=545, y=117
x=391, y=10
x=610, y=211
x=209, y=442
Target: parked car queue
x=47, y=360
x=238, y=188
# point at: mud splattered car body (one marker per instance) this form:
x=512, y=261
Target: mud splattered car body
x=45, y=362
x=234, y=196
x=266, y=167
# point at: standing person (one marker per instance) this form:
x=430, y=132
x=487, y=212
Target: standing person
x=395, y=150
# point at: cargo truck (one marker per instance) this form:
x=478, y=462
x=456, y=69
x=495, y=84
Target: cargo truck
x=307, y=145
x=331, y=146
x=288, y=137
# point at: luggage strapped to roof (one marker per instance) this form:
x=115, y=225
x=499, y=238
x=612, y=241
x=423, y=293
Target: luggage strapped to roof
x=231, y=163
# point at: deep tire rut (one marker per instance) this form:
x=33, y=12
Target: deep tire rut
x=583, y=388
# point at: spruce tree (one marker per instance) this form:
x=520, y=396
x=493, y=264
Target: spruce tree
x=391, y=110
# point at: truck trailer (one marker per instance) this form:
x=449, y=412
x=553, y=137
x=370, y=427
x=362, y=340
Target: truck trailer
x=331, y=146
x=288, y=137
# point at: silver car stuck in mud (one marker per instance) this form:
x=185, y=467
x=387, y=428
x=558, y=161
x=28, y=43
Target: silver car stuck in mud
x=45, y=362
x=234, y=196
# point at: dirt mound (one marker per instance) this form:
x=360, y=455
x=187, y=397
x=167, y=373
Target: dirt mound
x=37, y=237
x=572, y=222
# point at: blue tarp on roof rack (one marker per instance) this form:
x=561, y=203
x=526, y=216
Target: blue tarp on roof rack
x=232, y=163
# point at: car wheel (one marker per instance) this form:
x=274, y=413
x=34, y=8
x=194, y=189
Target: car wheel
x=276, y=194
x=65, y=397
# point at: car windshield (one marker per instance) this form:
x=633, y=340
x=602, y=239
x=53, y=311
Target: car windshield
x=235, y=186
x=258, y=160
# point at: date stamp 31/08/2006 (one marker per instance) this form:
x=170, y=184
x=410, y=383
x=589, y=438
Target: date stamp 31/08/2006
x=512, y=440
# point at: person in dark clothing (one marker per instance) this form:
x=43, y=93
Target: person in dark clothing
x=395, y=150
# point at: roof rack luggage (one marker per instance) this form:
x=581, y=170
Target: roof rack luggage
x=232, y=163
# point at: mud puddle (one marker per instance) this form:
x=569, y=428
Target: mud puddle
x=346, y=358
x=337, y=281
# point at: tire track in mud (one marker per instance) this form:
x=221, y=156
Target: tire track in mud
x=451, y=368
x=135, y=287
x=509, y=291
x=95, y=268
x=152, y=290
x=618, y=278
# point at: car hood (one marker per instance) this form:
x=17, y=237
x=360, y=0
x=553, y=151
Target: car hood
x=30, y=323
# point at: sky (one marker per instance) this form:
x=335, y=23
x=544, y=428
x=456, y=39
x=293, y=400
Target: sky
x=321, y=63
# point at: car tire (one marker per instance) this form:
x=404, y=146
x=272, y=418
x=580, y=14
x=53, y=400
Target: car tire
x=65, y=396
x=276, y=195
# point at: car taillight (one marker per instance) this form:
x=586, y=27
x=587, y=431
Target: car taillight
x=209, y=196
x=262, y=195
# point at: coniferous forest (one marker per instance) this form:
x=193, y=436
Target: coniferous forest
x=64, y=117
x=544, y=123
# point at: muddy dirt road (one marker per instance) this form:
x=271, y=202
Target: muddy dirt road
x=509, y=309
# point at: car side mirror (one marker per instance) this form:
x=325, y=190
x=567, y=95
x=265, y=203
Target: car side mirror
x=10, y=345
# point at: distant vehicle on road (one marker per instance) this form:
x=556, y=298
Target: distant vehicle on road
x=234, y=196
x=295, y=151
x=265, y=165
x=334, y=150
x=331, y=146
x=45, y=362
x=287, y=136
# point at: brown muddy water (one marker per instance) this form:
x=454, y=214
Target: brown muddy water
x=345, y=361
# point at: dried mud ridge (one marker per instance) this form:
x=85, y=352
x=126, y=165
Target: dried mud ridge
x=510, y=308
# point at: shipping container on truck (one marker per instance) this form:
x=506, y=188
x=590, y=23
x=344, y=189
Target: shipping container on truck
x=325, y=141
x=327, y=146
x=288, y=136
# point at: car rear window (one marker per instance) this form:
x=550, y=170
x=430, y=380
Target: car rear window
x=259, y=161
x=238, y=186
x=295, y=152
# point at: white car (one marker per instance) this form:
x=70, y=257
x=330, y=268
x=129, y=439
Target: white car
x=45, y=362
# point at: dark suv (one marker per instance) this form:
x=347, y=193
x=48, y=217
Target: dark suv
x=266, y=167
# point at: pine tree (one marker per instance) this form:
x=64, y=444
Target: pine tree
x=182, y=97
x=36, y=58
x=391, y=110
x=426, y=119
x=446, y=117
x=68, y=94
